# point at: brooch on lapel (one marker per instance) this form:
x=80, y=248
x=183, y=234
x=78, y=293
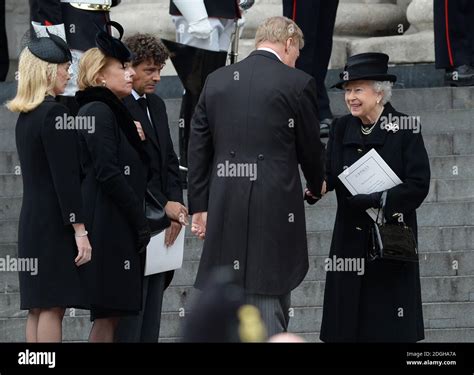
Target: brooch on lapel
x=392, y=127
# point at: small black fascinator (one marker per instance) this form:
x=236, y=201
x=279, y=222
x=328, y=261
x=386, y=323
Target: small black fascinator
x=113, y=47
x=52, y=49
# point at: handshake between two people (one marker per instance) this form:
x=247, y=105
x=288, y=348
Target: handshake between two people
x=311, y=198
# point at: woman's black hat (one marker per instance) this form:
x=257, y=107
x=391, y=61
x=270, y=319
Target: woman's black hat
x=52, y=49
x=113, y=47
x=371, y=66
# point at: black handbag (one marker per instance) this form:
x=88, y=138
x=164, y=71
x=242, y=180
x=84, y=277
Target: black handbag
x=155, y=213
x=392, y=240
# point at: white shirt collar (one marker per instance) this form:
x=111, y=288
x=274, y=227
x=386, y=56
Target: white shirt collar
x=271, y=51
x=137, y=96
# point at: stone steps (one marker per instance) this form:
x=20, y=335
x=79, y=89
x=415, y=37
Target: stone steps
x=408, y=101
x=447, y=166
x=432, y=264
x=435, y=288
x=449, y=335
x=441, y=190
x=429, y=214
x=405, y=100
x=449, y=144
x=432, y=121
x=432, y=239
x=414, y=102
x=431, y=335
x=321, y=218
x=456, y=323
x=446, y=229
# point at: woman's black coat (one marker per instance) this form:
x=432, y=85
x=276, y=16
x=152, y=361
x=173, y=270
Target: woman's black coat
x=384, y=304
x=115, y=178
x=51, y=204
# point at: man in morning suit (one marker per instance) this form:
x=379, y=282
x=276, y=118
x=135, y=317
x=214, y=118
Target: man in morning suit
x=255, y=122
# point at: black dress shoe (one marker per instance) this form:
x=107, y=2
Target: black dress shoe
x=460, y=76
x=324, y=127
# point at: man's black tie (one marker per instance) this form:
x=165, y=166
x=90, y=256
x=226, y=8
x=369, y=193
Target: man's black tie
x=143, y=105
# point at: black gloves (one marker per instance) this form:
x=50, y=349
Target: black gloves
x=363, y=202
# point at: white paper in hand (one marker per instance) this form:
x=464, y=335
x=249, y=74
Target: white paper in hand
x=160, y=258
x=368, y=175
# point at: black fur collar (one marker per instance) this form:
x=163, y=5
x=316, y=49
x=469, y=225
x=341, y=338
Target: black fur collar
x=122, y=116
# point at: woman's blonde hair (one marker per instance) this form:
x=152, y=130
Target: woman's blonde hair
x=278, y=30
x=90, y=65
x=36, y=79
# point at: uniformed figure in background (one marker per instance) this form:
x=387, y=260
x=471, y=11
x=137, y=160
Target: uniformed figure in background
x=203, y=34
x=454, y=40
x=76, y=21
x=4, y=59
x=316, y=18
x=206, y=24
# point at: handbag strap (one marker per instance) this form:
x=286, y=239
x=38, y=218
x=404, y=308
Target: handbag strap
x=383, y=201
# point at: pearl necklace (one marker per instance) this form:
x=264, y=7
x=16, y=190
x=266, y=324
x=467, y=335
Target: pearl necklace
x=367, y=131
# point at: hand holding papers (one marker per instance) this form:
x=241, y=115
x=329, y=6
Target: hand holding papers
x=160, y=258
x=367, y=175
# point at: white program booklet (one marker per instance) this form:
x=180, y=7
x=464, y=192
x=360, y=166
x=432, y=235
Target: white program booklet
x=160, y=258
x=368, y=175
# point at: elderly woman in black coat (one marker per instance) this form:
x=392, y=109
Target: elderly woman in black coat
x=51, y=232
x=115, y=177
x=382, y=303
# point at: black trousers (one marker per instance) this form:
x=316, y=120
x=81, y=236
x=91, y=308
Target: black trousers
x=316, y=18
x=4, y=58
x=144, y=327
x=454, y=33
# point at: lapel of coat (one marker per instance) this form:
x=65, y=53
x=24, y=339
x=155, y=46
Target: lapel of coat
x=157, y=118
x=138, y=114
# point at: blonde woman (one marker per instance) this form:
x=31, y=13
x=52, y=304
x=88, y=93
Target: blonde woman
x=51, y=229
x=116, y=172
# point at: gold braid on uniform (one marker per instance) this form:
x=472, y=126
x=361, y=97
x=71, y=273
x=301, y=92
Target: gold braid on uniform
x=97, y=7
